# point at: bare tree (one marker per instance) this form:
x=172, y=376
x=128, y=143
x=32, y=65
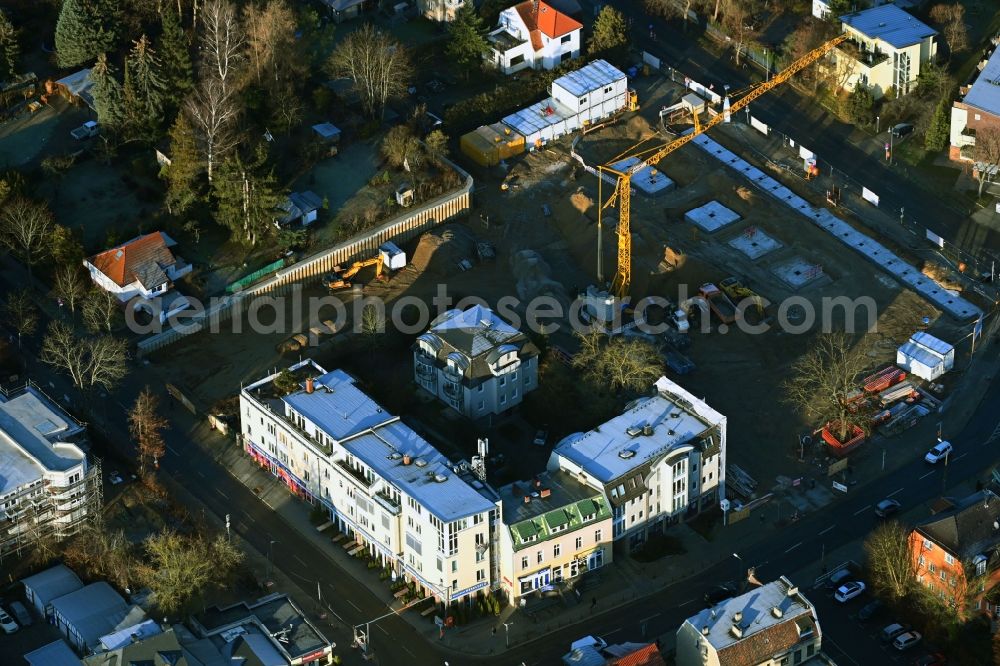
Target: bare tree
x=824, y=382
x=738, y=21
x=373, y=325
x=25, y=226
x=69, y=285
x=891, y=563
x=146, y=426
x=620, y=363
x=400, y=147
x=101, y=310
x=21, y=313
x=951, y=18
x=214, y=112
x=379, y=67
x=89, y=362
x=222, y=39
x=98, y=552
x=986, y=156
x=180, y=568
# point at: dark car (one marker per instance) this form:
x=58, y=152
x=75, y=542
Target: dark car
x=936, y=659
x=886, y=508
x=720, y=593
x=868, y=611
x=902, y=130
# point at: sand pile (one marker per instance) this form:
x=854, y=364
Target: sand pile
x=744, y=193
x=440, y=250
x=581, y=202
x=941, y=275
x=533, y=277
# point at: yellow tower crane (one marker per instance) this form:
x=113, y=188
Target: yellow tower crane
x=623, y=187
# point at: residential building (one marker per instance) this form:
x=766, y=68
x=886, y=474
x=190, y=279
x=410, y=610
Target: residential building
x=533, y=34
x=771, y=625
x=956, y=551
x=300, y=208
x=48, y=487
x=442, y=11
x=886, y=49
x=143, y=267
x=86, y=615
x=176, y=646
x=56, y=653
x=271, y=631
x=622, y=654
x=555, y=529
x=475, y=362
x=342, y=10
x=44, y=587
x=384, y=485
x=661, y=461
x=977, y=108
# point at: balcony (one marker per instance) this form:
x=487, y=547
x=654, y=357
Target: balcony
x=354, y=472
x=865, y=57
x=388, y=503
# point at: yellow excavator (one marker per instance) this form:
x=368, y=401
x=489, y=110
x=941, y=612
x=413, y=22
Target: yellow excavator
x=646, y=158
x=341, y=278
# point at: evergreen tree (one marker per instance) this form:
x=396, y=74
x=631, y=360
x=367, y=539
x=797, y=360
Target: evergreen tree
x=466, y=43
x=247, y=197
x=85, y=29
x=182, y=174
x=108, y=96
x=9, y=48
x=610, y=31
x=175, y=60
x=143, y=91
x=936, y=137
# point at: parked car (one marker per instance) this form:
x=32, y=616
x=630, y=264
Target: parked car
x=886, y=508
x=935, y=659
x=18, y=610
x=7, y=623
x=902, y=130
x=869, y=609
x=588, y=641
x=848, y=591
x=836, y=578
x=541, y=437
x=939, y=452
x=890, y=632
x=906, y=640
x=720, y=593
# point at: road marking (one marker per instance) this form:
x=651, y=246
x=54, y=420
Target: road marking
x=647, y=619
x=685, y=603
x=961, y=456
x=826, y=530
x=354, y=604
x=407, y=651
x=171, y=449
x=382, y=629
x=928, y=474
x=199, y=473
x=222, y=493
x=863, y=509
x=894, y=492
x=608, y=633
x=299, y=560
x=794, y=547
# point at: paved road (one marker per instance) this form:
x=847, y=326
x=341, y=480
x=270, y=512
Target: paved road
x=801, y=118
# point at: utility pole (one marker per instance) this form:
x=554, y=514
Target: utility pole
x=883, y=459
x=229, y=535
x=506, y=633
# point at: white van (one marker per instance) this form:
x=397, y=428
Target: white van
x=588, y=641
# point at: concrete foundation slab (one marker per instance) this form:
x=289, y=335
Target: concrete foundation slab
x=754, y=243
x=648, y=180
x=797, y=272
x=711, y=217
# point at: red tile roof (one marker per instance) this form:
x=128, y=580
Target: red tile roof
x=142, y=259
x=646, y=656
x=541, y=18
x=763, y=645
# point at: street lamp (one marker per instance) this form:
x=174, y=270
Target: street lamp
x=877, y=119
x=506, y=633
x=740, y=570
x=767, y=66
x=270, y=547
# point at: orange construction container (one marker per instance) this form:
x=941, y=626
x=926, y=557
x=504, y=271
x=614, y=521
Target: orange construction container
x=489, y=144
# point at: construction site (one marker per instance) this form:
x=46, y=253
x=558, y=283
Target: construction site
x=697, y=230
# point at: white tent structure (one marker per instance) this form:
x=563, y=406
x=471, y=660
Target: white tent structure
x=925, y=356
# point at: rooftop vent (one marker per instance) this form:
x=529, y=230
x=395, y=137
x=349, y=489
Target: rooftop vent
x=737, y=617
x=633, y=431
x=671, y=431
x=675, y=415
x=420, y=462
x=776, y=612
x=647, y=430
x=310, y=386
x=440, y=478
x=625, y=454
x=407, y=460
x=736, y=631
x=527, y=499
x=395, y=455
x=705, y=631
x=792, y=591
x=545, y=492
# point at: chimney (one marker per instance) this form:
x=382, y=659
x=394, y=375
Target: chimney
x=792, y=591
x=647, y=430
x=737, y=617
x=705, y=631
x=777, y=612
x=544, y=492
x=527, y=499
x=407, y=459
x=309, y=385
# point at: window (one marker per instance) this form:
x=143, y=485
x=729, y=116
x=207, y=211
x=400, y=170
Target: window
x=597, y=536
x=798, y=657
x=516, y=60
x=579, y=543
x=524, y=562
x=566, y=38
x=810, y=649
x=928, y=545
x=480, y=575
x=556, y=549
x=503, y=381
x=525, y=586
x=948, y=558
x=942, y=574
x=482, y=405
x=454, y=566
x=503, y=399
x=539, y=557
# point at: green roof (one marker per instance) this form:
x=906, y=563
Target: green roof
x=572, y=516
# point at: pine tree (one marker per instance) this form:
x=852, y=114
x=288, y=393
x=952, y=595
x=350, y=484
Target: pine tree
x=466, y=43
x=108, y=96
x=936, y=137
x=175, y=60
x=9, y=48
x=85, y=29
x=143, y=91
x=182, y=174
x=610, y=31
x=247, y=197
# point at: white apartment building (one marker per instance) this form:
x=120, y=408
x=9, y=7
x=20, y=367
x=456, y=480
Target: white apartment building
x=660, y=462
x=475, y=362
x=47, y=486
x=533, y=34
x=384, y=485
x=771, y=625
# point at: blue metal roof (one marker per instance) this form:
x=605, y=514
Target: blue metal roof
x=890, y=24
x=338, y=407
x=589, y=78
